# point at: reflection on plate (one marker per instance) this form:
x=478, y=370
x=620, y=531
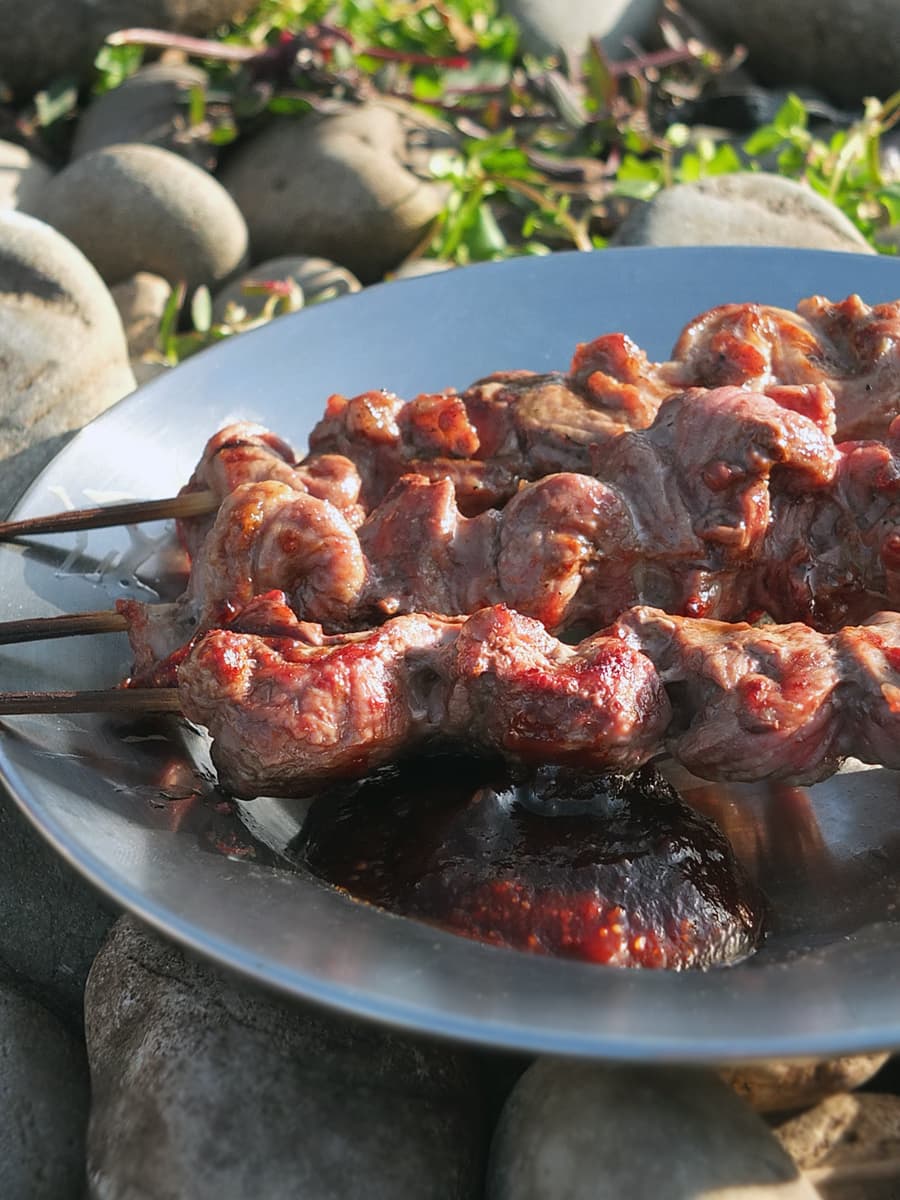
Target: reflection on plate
x=133, y=807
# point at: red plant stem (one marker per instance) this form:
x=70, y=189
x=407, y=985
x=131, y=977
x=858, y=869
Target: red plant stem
x=659, y=58
x=198, y=47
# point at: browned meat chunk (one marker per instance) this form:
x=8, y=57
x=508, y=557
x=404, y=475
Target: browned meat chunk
x=743, y=703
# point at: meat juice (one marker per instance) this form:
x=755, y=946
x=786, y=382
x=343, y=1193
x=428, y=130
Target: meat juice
x=603, y=868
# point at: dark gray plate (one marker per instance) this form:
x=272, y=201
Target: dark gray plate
x=127, y=805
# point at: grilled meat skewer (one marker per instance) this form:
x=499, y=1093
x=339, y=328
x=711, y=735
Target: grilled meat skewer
x=292, y=709
x=728, y=504
x=517, y=426
x=728, y=701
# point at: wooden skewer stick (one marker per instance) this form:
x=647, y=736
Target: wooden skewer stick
x=40, y=629
x=126, y=701
x=192, y=504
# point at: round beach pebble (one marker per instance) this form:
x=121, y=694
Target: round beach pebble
x=44, y=40
x=849, y=50
x=349, y=186
x=850, y=1144
x=317, y=278
x=203, y=1088
x=22, y=176
x=744, y=209
x=141, y=301
x=44, y=1101
x=137, y=208
x=61, y=344
x=780, y=1086
x=551, y=26
x=151, y=106
x=588, y=1132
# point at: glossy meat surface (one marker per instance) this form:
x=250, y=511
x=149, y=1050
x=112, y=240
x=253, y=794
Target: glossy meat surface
x=729, y=701
x=517, y=426
x=727, y=505
x=287, y=717
x=246, y=453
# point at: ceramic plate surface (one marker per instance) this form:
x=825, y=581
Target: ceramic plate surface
x=128, y=806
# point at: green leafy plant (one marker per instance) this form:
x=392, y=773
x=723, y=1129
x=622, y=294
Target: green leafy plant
x=544, y=158
x=846, y=168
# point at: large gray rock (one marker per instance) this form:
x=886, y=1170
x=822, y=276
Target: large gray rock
x=317, y=278
x=22, y=176
x=43, y=1102
x=350, y=186
x=780, y=1086
x=151, y=106
x=51, y=922
x=744, y=209
x=61, y=344
x=589, y=1132
x=551, y=26
x=848, y=50
x=45, y=39
x=137, y=208
x=205, y=1089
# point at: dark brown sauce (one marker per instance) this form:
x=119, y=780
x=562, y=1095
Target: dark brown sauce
x=605, y=868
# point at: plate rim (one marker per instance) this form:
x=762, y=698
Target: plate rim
x=411, y=1017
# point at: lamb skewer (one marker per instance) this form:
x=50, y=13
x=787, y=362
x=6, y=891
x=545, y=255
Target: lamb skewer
x=289, y=715
x=729, y=504
x=237, y=454
x=517, y=426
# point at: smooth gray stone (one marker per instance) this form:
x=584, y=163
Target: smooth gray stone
x=22, y=176
x=207, y=1089
x=551, y=26
x=350, y=186
x=588, y=1132
x=44, y=40
x=61, y=343
x=744, y=209
x=43, y=1102
x=141, y=301
x=137, y=208
x=51, y=921
x=151, y=106
x=317, y=278
x=849, y=50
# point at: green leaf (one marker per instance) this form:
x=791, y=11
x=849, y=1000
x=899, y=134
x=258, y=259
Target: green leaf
x=201, y=309
x=56, y=101
x=288, y=106
x=223, y=135
x=889, y=198
x=633, y=168
x=114, y=64
x=792, y=116
x=724, y=161
x=485, y=240
x=765, y=139
x=168, y=322
x=197, y=105
x=637, y=189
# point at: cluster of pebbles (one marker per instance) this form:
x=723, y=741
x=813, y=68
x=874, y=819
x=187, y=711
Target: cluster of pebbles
x=188, y=1084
